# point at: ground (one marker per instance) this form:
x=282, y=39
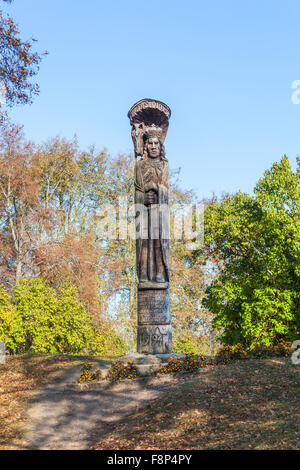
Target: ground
x=243, y=405
x=20, y=377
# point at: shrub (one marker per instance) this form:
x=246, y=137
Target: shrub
x=185, y=343
x=173, y=365
x=87, y=374
x=189, y=363
x=281, y=349
x=11, y=324
x=106, y=342
x=230, y=353
x=42, y=320
x=120, y=370
x=74, y=331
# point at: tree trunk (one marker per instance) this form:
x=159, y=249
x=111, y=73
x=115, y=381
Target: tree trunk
x=18, y=269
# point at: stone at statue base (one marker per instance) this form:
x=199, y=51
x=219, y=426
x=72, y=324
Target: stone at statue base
x=148, y=359
x=153, y=306
x=154, y=334
x=148, y=364
x=154, y=339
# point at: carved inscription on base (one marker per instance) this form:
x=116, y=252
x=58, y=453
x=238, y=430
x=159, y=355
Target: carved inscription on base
x=154, y=339
x=153, y=307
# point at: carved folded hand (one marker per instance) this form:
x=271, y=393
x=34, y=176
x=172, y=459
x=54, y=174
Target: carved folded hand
x=150, y=198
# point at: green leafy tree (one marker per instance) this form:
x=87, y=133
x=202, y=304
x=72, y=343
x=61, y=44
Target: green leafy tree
x=52, y=322
x=256, y=240
x=11, y=324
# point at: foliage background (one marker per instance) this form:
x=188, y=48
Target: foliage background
x=67, y=289
x=64, y=288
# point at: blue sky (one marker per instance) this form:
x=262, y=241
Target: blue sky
x=224, y=68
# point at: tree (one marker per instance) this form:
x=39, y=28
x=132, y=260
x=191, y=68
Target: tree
x=20, y=212
x=48, y=228
x=18, y=63
x=255, y=296
x=71, y=186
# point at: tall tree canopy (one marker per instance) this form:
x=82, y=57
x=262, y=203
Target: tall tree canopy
x=256, y=295
x=48, y=198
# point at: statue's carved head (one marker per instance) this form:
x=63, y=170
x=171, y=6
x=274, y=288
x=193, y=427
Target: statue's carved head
x=153, y=146
x=149, y=118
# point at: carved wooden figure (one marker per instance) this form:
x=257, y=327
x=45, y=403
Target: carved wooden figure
x=150, y=119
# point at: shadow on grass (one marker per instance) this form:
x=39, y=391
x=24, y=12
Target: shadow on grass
x=243, y=405
x=21, y=376
x=61, y=418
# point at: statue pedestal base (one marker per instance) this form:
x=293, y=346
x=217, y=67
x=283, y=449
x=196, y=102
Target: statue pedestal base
x=154, y=322
x=154, y=339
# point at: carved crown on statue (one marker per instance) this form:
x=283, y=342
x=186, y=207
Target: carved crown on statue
x=148, y=116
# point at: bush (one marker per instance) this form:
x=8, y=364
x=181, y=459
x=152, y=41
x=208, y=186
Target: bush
x=173, y=365
x=120, y=370
x=87, y=374
x=106, y=342
x=192, y=362
x=189, y=363
x=185, y=343
x=11, y=324
x=42, y=320
x=230, y=353
x=74, y=330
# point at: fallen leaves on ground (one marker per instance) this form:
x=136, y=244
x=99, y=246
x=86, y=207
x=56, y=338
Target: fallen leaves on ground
x=19, y=377
x=241, y=405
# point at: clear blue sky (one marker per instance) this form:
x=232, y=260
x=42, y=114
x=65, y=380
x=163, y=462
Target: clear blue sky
x=224, y=68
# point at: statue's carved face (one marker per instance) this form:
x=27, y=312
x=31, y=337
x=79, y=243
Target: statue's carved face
x=153, y=147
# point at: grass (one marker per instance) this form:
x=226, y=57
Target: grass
x=19, y=378
x=252, y=404
x=242, y=405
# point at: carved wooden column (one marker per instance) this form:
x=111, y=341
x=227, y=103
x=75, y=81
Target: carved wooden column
x=150, y=120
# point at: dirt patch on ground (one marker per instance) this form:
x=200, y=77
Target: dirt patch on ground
x=60, y=418
x=243, y=405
